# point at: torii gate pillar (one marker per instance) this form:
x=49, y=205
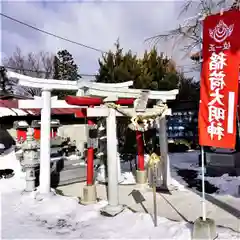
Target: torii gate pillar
x=113, y=207
x=163, y=142
x=45, y=160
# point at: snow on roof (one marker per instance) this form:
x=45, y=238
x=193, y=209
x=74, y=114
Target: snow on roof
x=10, y=108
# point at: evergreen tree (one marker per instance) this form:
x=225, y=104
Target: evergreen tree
x=56, y=64
x=152, y=71
x=159, y=72
x=5, y=84
x=116, y=67
x=65, y=69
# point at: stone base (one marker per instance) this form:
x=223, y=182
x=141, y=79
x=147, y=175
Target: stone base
x=111, y=211
x=222, y=163
x=218, y=171
x=141, y=177
x=204, y=229
x=89, y=195
x=30, y=186
x=162, y=189
x=169, y=188
x=142, y=187
x=40, y=196
x=33, y=193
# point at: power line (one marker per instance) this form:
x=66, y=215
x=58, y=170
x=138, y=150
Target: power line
x=52, y=34
x=41, y=71
x=83, y=74
x=59, y=37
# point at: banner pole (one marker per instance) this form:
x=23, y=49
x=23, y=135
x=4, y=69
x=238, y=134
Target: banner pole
x=202, y=148
x=155, y=195
x=203, y=186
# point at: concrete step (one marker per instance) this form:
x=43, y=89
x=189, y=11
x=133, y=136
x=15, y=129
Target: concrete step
x=72, y=174
x=69, y=164
x=64, y=182
x=63, y=165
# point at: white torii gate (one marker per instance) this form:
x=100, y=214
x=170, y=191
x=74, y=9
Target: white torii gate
x=45, y=104
x=112, y=92
x=113, y=206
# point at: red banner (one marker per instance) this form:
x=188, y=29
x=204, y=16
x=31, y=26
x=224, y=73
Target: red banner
x=219, y=80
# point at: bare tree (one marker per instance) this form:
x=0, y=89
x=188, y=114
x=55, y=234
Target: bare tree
x=189, y=32
x=35, y=65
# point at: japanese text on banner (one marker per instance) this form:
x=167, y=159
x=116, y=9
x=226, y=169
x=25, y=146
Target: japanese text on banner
x=219, y=80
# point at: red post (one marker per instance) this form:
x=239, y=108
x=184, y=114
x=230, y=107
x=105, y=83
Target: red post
x=53, y=132
x=140, y=150
x=90, y=161
x=91, y=102
x=21, y=134
x=37, y=133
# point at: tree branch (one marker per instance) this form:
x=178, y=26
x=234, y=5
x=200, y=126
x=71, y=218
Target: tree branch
x=190, y=32
x=40, y=65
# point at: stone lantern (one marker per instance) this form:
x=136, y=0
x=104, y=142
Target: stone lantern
x=36, y=125
x=30, y=159
x=21, y=130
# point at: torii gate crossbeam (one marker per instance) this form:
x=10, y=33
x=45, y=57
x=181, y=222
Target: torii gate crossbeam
x=113, y=206
x=93, y=89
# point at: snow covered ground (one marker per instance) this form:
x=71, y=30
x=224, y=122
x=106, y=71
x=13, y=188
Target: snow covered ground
x=227, y=185
x=187, y=160
x=127, y=177
x=59, y=217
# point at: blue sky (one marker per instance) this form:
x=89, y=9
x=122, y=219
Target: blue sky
x=93, y=23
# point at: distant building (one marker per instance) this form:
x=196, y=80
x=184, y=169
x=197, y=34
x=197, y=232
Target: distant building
x=72, y=120
x=183, y=123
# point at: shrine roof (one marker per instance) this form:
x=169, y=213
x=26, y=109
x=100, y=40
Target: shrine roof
x=10, y=108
